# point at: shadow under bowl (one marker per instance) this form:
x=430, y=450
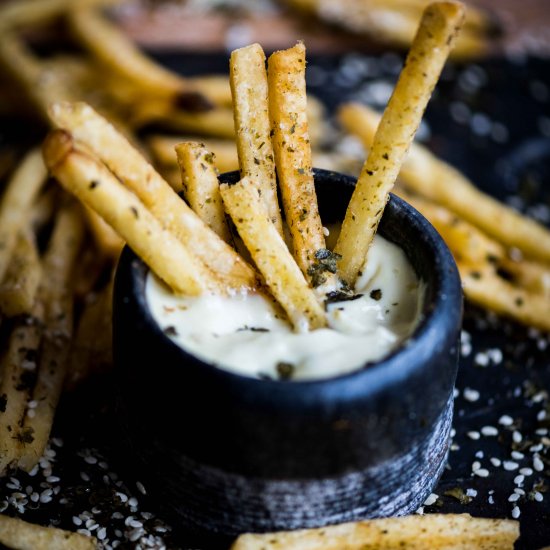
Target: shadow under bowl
x=224, y=454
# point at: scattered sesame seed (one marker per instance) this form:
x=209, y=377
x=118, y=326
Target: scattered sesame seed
x=539, y=497
x=496, y=462
x=473, y=435
x=516, y=512
x=510, y=465
x=428, y=502
x=470, y=394
x=538, y=464
x=489, y=431
x=482, y=472
x=471, y=492
x=516, y=455
x=517, y=437
x=514, y=497
x=506, y=420
x=519, y=479
x=526, y=471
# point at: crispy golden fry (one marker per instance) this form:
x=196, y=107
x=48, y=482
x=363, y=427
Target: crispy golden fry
x=16, y=533
x=27, y=72
x=434, y=531
x=287, y=110
x=84, y=176
x=20, y=14
x=270, y=253
x=91, y=348
x=396, y=22
x=118, y=54
x=476, y=253
x=18, y=289
x=56, y=296
x=107, y=240
x=19, y=367
x=248, y=80
x=201, y=187
x=484, y=287
x=132, y=169
x=43, y=209
x=225, y=151
x=436, y=35
x=20, y=193
x=425, y=174
x=467, y=243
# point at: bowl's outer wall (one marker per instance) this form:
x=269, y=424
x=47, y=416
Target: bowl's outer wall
x=298, y=430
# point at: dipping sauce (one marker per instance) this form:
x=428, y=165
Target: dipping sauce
x=246, y=334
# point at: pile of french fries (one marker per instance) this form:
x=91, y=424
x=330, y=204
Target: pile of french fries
x=394, y=22
x=57, y=255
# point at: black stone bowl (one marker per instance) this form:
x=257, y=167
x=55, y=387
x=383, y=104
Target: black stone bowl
x=226, y=454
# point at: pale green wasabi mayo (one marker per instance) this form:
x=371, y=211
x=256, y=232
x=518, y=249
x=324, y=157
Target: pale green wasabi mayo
x=245, y=334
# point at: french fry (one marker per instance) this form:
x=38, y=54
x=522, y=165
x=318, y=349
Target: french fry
x=248, y=79
x=435, y=38
x=56, y=295
x=118, y=54
x=225, y=151
x=201, y=187
x=16, y=533
x=396, y=22
x=484, y=287
x=27, y=72
x=23, y=187
x=91, y=349
x=132, y=169
x=437, y=531
x=85, y=177
x=217, y=122
x=270, y=253
x=19, y=14
x=18, y=289
x=434, y=179
x=108, y=241
x=287, y=110
x=19, y=367
x=43, y=209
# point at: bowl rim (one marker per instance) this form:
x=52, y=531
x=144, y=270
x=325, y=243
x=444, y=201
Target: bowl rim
x=436, y=332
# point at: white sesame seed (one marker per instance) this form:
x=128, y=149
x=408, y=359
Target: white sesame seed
x=123, y=498
x=506, y=420
x=470, y=394
x=538, y=464
x=489, y=431
x=77, y=521
x=482, y=472
x=90, y=459
x=473, y=435
x=84, y=476
x=516, y=512
x=133, y=502
x=142, y=490
x=476, y=465
x=101, y=533
x=136, y=523
x=517, y=455
x=519, y=479
x=84, y=532
x=517, y=437
x=514, y=497
x=428, y=502
x=519, y=491
x=53, y=479
x=491, y=500
x=510, y=465
x=480, y=454
x=471, y=492
x=536, y=448
x=541, y=415
x=538, y=496
x=526, y=471
x=496, y=462
x=541, y=431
